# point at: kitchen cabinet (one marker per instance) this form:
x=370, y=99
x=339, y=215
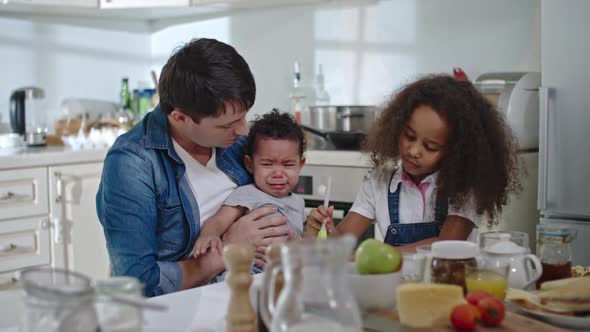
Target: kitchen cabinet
x=78, y=239
x=24, y=223
x=23, y=193
x=142, y=3
x=250, y=3
x=65, y=3
x=24, y=243
x=143, y=16
x=48, y=212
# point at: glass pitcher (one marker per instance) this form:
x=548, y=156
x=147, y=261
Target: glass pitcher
x=315, y=295
x=554, y=249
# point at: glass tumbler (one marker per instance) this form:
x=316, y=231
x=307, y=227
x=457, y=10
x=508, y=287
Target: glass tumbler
x=116, y=316
x=413, y=267
x=489, y=277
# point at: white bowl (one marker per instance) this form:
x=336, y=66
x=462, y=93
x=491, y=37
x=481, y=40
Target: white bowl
x=373, y=292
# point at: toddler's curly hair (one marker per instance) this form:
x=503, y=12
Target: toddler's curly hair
x=275, y=125
x=480, y=158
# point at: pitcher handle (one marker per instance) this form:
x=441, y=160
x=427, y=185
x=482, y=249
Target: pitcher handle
x=267, y=307
x=538, y=268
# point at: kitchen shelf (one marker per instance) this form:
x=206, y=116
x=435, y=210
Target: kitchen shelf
x=141, y=16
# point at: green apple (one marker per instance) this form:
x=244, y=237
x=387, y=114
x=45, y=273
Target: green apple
x=376, y=257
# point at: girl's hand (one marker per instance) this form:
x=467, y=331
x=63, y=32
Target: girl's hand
x=317, y=217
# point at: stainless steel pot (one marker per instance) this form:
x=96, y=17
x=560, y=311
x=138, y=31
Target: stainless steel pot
x=342, y=118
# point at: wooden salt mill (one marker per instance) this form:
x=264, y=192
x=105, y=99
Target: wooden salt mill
x=240, y=316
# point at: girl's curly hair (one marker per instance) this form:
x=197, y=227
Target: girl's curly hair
x=480, y=158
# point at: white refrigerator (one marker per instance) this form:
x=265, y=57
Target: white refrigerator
x=564, y=126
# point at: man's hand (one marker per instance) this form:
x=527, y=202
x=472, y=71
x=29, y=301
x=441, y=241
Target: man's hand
x=259, y=229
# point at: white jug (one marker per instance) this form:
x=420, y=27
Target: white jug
x=525, y=268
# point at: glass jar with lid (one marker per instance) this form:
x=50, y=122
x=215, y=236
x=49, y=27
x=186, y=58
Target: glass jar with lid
x=57, y=300
x=554, y=249
x=450, y=260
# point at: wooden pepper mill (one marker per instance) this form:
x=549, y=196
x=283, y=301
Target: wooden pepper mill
x=240, y=316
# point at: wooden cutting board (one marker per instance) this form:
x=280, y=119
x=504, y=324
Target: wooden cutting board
x=388, y=321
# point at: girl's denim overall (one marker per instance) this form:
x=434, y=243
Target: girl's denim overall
x=399, y=234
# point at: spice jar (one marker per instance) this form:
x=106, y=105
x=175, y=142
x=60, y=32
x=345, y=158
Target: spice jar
x=450, y=260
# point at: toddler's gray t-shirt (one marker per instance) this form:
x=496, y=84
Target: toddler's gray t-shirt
x=291, y=206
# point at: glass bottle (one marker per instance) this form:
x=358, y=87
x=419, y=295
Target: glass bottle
x=554, y=249
x=125, y=95
x=297, y=94
x=322, y=97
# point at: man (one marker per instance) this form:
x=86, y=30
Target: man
x=172, y=171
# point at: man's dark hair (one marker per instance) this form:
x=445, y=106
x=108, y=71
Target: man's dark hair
x=275, y=125
x=201, y=76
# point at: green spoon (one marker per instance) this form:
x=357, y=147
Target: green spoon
x=323, y=233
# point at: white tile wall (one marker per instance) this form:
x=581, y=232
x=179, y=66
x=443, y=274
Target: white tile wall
x=68, y=61
x=367, y=51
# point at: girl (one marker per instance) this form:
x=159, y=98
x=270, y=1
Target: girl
x=442, y=156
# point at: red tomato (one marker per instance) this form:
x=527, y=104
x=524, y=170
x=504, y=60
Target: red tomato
x=476, y=296
x=465, y=317
x=492, y=311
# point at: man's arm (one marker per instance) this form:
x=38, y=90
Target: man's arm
x=126, y=204
x=259, y=228
x=256, y=228
x=127, y=209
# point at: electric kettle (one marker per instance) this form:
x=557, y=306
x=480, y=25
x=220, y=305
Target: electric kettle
x=27, y=117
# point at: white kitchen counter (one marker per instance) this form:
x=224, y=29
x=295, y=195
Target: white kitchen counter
x=337, y=158
x=58, y=155
x=197, y=309
x=48, y=156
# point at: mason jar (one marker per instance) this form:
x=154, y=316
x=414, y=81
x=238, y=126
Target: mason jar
x=57, y=300
x=451, y=260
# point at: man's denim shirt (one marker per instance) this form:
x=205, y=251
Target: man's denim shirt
x=146, y=207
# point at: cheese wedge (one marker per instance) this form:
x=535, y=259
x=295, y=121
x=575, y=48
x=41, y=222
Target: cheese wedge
x=427, y=305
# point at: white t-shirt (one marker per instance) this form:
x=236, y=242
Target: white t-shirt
x=416, y=203
x=208, y=183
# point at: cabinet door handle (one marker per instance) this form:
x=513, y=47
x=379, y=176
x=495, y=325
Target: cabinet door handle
x=544, y=95
x=10, y=197
x=12, y=248
x=8, y=283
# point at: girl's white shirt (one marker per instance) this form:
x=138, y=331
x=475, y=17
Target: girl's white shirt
x=416, y=203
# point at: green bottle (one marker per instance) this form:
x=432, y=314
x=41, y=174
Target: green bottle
x=125, y=96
